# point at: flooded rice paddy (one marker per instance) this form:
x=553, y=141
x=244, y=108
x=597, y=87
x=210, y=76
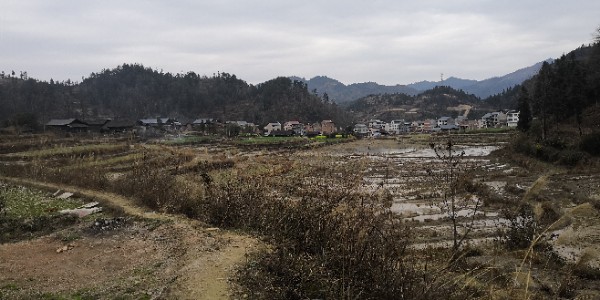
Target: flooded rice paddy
x=410, y=173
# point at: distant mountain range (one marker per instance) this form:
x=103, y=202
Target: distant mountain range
x=342, y=93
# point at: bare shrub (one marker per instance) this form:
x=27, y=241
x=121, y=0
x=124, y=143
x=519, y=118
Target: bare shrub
x=514, y=190
x=235, y=203
x=149, y=185
x=522, y=227
x=585, y=267
x=328, y=243
x=548, y=213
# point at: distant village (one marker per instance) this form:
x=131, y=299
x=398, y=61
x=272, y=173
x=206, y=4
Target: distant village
x=497, y=119
x=212, y=126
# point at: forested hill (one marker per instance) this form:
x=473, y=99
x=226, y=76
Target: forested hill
x=437, y=102
x=341, y=93
x=134, y=91
x=574, y=77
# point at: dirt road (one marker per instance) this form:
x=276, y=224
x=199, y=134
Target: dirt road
x=160, y=256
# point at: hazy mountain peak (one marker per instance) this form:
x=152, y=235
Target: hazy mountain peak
x=339, y=92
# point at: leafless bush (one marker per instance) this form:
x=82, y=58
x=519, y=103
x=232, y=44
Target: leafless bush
x=234, y=203
x=328, y=243
x=152, y=186
x=522, y=228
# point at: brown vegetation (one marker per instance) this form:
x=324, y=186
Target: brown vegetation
x=331, y=219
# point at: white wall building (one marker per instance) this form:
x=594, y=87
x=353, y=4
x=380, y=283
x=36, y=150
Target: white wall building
x=361, y=129
x=512, y=118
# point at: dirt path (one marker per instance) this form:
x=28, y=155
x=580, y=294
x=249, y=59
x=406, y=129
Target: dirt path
x=205, y=257
x=205, y=275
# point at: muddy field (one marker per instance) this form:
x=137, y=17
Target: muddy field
x=167, y=242
x=400, y=167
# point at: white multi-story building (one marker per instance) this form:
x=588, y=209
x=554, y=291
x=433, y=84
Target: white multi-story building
x=395, y=126
x=512, y=118
x=445, y=121
x=376, y=124
x=493, y=120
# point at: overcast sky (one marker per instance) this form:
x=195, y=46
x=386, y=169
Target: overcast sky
x=389, y=42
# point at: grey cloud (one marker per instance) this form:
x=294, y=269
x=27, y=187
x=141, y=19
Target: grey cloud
x=354, y=41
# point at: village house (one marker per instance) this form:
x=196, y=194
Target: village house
x=67, y=125
x=274, y=126
x=376, y=124
x=416, y=126
x=406, y=127
x=486, y=121
x=327, y=127
x=468, y=125
x=157, y=122
x=445, y=121
x=96, y=125
x=205, y=121
x=312, y=129
x=238, y=123
x=420, y=126
x=295, y=126
x=450, y=127
x=428, y=125
x=361, y=130
x=493, y=120
x=397, y=127
x=118, y=126
x=394, y=126
x=289, y=125
x=205, y=125
x=157, y=125
x=245, y=127
x=150, y=122
x=512, y=118
x=465, y=124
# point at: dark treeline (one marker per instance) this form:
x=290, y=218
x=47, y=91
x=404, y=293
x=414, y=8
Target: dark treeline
x=505, y=99
x=132, y=91
x=560, y=93
x=564, y=93
x=560, y=111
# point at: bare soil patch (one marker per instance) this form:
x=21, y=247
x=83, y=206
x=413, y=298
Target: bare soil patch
x=151, y=256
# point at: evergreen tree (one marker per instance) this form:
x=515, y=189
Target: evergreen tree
x=524, y=110
x=542, y=95
x=593, y=70
x=576, y=90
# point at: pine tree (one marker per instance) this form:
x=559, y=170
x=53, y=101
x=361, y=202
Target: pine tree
x=542, y=96
x=524, y=111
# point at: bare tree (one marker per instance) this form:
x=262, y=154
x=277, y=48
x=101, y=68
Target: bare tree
x=461, y=209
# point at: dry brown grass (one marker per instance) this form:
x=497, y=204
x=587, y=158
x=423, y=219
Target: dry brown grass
x=331, y=236
x=536, y=188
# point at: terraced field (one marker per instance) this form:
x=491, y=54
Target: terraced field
x=475, y=193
